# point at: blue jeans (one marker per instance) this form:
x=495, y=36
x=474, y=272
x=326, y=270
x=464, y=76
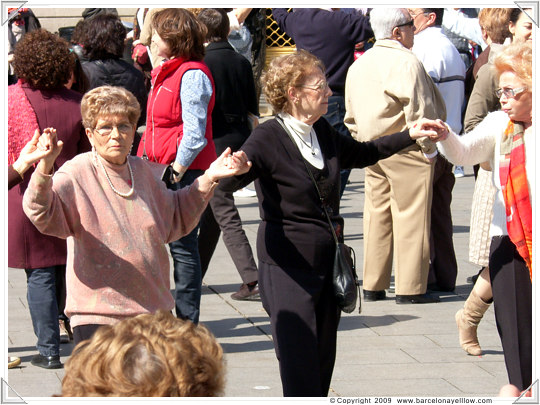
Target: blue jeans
x=187, y=265
x=335, y=116
x=42, y=295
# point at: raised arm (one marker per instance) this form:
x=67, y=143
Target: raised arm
x=41, y=203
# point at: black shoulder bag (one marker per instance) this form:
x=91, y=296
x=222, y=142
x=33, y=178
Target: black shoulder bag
x=345, y=279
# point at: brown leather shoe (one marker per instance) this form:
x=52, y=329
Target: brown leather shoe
x=247, y=293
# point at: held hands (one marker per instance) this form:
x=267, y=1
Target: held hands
x=51, y=146
x=436, y=130
x=33, y=151
x=228, y=165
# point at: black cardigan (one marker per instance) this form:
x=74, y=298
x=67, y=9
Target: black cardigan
x=294, y=231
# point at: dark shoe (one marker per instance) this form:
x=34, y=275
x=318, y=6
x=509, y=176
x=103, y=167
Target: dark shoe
x=48, y=362
x=374, y=295
x=416, y=299
x=247, y=293
x=472, y=279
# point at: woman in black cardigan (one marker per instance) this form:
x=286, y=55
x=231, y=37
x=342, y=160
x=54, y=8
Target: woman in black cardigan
x=294, y=244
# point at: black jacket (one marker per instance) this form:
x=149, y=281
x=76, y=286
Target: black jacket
x=235, y=91
x=329, y=35
x=117, y=72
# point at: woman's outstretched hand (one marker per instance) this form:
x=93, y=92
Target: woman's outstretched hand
x=51, y=146
x=228, y=165
x=436, y=130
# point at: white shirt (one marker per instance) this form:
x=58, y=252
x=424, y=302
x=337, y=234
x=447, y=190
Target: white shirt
x=457, y=22
x=444, y=65
x=305, y=138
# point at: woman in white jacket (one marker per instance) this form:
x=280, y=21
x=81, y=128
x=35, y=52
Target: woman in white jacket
x=506, y=139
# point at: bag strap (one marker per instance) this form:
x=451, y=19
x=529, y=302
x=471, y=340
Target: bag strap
x=280, y=121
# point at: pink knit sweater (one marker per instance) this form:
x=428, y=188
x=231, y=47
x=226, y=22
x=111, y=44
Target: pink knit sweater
x=117, y=264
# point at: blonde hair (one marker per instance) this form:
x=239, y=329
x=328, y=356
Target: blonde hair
x=146, y=356
x=516, y=58
x=285, y=72
x=109, y=100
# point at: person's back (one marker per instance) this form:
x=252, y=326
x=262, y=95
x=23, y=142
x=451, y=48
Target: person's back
x=103, y=45
x=235, y=89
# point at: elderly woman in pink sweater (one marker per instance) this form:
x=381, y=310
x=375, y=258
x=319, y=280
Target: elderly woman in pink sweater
x=116, y=214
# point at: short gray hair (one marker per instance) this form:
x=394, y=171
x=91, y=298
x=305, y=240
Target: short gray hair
x=384, y=20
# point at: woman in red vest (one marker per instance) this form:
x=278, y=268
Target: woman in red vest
x=179, y=131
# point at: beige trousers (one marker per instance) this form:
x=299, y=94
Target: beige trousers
x=397, y=215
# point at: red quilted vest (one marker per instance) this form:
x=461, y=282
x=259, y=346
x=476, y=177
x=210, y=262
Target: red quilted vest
x=164, y=125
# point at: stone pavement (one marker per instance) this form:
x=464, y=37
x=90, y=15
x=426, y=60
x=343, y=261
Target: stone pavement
x=387, y=350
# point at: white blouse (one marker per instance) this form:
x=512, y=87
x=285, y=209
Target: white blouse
x=305, y=138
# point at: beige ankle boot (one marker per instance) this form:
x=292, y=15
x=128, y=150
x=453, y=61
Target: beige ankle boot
x=467, y=320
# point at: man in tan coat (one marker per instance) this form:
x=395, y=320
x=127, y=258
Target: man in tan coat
x=387, y=90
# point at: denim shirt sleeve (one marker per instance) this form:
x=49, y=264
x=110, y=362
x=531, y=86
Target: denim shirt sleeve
x=195, y=93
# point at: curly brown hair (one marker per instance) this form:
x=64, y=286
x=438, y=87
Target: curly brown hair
x=146, y=356
x=109, y=100
x=103, y=37
x=181, y=31
x=285, y=72
x=43, y=60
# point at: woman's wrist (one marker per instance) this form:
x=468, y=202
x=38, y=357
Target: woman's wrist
x=20, y=167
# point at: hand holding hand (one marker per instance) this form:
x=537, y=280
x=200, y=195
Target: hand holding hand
x=51, y=147
x=228, y=165
x=33, y=151
x=427, y=128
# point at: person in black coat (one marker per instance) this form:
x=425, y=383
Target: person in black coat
x=102, y=39
x=295, y=245
x=235, y=100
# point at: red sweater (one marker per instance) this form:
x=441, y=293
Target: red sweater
x=164, y=125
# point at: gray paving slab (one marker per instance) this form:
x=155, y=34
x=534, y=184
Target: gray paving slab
x=389, y=349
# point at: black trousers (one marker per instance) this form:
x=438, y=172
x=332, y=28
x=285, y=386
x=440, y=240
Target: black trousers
x=304, y=318
x=84, y=332
x=443, y=264
x=512, y=297
x=221, y=215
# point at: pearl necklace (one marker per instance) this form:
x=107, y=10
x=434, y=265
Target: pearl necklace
x=130, y=192
x=304, y=142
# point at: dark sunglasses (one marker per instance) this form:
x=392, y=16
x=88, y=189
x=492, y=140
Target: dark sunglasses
x=410, y=22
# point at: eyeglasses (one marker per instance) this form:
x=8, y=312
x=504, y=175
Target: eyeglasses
x=414, y=15
x=318, y=87
x=509, y=93
x=106, y=130
x=411, y=23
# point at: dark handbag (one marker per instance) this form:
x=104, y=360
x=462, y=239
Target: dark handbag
x=346, y=284
x=344, y=277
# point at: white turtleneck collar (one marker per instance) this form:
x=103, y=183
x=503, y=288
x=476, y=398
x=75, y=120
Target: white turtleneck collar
x=305, y=138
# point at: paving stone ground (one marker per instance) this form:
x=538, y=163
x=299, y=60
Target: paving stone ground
x=387, y=350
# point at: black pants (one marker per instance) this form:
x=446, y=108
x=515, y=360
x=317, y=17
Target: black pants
x=221, y=215
x=512, y=297
x=84, y=332
x=443, y=264
x=304, y=318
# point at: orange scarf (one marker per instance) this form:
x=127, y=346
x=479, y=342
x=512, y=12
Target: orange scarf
x=515, y=191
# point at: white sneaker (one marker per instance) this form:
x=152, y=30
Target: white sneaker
x=245, y=193
x=458, y=172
